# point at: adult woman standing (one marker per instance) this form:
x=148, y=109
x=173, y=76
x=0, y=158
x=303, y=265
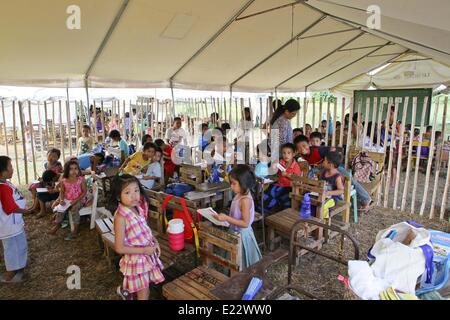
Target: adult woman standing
x=281, y=120
x=244, y=132
x=12, y=233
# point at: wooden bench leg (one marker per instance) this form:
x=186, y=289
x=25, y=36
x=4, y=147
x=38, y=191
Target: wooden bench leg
x=271, y=238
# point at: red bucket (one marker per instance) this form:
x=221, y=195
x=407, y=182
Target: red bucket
x=176, y=241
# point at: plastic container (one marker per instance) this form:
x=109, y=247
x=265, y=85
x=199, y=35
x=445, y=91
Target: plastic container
x=176, y=226
x=305, y=209
x=176, y=241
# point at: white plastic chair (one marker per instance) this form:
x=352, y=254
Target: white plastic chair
x=91, y=210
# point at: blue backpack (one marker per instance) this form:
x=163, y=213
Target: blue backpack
x=178, y=189
x=131, y=149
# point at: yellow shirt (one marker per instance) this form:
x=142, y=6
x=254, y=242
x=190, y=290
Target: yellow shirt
x=136, y=164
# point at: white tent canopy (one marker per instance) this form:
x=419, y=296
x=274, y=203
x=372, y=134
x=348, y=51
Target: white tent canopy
x=245, y=45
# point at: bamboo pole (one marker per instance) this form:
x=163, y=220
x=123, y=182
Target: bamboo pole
x=95, y=123
x=22, y=129
x=341, y=131
x=313, y=124
x=237, y=113
x=15, y=139
x=380, y=120
x=418, y=152
x=400, y=151
x=69, y=127
x=123, y=118
x=33, y=154
x=328, y=123
x=447, y=179
x=4, y=129
x=61, y=132
x=47, y=135
x=430, y=159
x=305, y=111
x=298, y=115
x=53, y=124
x=320, y=114
x=391, y=152
x=102, y=120
x=380, y=186
x=358, y=124
x=366, y=121
x=374, y=118
x=77, y=124
x=333, y=137
x=410, y=149
x=40, y=131
x=349, y=133
x=157, y=119
x=260, y=118
x=438, y=162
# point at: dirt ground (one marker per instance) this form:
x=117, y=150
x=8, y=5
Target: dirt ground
x=50, y=256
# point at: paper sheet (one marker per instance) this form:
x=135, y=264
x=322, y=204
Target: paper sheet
x=62, y=208
x=41, y=190
x=208, y=214
x=282, y=169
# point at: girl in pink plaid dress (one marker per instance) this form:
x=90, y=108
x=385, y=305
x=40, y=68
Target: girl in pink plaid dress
x=140, y=263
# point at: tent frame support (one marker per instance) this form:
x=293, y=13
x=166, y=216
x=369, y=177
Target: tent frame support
x=312, y=25
x=88, y=117
x=373, y=32
x=349, y=64
x=269, y=10
x=213, y=38
x=107, y=36
x=321, y=59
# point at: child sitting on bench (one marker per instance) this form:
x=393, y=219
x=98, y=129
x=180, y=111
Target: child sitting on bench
x=278, y=194
x=331, y=175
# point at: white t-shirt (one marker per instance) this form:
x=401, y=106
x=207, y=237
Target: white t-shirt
x=175, y=136
x=154, y=170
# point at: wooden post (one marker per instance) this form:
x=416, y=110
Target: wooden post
x=366, y=121
x=32, y=140
x=418, y=152
x=358, y=124
x=400, y=150
x=391, y=151
x=22, y=128
x=341, y=131
x=438, y=160
x=77, y=124
x=237, y=113
x=123, y=117
x=95, y=123
x=47, y=134
x=102, y=120
x=380, y=118
x=349, y=133
x=260, y=118
x=430, y=159
x=333, y=137
x=305, y=110
x=41, y=136
x=328, y=123
x=4, y=129
x=447, y=178
x=298, y=115
x=313, y=124
x=374, y=118
x=15, y=140
x=410, y=149
x=320, y=114
x=69, y=127
x=61, y=132
x=53, y=124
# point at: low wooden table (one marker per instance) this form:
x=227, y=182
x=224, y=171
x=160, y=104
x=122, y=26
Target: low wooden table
x=222, y=187
x=235, y=287
x=282, y=222
x=194, y=285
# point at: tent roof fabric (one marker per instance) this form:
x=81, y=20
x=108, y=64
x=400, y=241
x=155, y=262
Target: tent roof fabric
x=246, y=45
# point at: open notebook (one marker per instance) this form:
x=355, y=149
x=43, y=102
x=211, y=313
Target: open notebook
x=208, y=214
x=62, y=208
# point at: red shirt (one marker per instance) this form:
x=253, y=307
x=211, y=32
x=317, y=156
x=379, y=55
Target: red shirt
x=169, y=166
x=7, y=200
x=316, y=154
x=294, y=168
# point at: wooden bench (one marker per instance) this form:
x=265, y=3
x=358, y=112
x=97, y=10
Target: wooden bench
x=378, y=159
x=281, y=223
x=197, y=284
x=192, y=175
x=105, y=227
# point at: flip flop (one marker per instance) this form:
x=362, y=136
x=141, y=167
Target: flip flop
x=368, y=208
x=18, y=277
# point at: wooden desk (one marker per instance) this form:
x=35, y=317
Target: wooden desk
x=222, y=187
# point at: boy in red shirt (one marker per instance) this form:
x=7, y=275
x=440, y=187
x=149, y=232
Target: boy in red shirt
x=169, y=166
x=278, y=194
